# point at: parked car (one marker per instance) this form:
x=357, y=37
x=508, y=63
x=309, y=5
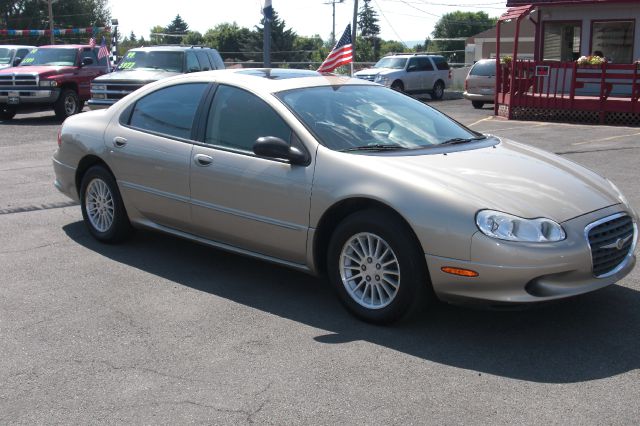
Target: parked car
x=11, y=55
x=411, y=73
x=49, y=77
x=395, y=202
x=480, y=84
x=148, y=64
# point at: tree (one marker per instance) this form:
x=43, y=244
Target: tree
x=457, y=24
x=369, y=31
x=282, y=39
x=193, y=38
x=230, y=39
x=178, y=27
x=155, y=36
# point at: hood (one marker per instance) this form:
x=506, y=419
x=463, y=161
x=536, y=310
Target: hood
x=41, y=70
x=145, y=75
x=510, y=177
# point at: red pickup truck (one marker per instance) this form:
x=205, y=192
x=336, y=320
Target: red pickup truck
x=48, y=77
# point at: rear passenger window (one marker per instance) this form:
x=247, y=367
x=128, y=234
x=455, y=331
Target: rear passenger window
x=169, y=111
x=192, y=62
x=424, y=64
x=440, y=62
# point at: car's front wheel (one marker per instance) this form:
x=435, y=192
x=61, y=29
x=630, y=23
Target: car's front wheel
x=102, y=207
x=67, y=104
x=377, y=267
x=477, y=104
x=397, y=86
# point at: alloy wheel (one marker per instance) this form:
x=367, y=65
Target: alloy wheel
x=99, y=205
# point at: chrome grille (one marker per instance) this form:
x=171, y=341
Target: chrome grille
x=19, y=80
x=611, y=240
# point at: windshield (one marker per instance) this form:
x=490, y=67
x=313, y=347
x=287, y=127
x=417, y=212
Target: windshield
x=54, y=57
x=5, y=55
x=484, y=69
x=167, y=61
x=348, y=117
x=395, y=63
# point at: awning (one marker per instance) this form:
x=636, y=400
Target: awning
x=517, y=12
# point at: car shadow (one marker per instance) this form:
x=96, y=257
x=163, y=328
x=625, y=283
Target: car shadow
x=46, y=120
x=586, y=338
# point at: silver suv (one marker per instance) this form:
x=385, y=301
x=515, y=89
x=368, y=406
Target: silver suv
x=411, y=73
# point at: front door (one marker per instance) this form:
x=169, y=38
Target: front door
x=252, y=203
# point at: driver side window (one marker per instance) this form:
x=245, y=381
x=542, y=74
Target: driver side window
x=237, y=118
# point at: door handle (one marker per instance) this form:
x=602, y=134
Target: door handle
x=203, y=160
x=119, y=142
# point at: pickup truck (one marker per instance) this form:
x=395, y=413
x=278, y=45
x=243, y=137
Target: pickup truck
x=50, y=77
x=11, y=55
x=145, y=65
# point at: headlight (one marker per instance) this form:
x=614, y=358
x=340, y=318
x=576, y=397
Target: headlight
x=381, y=79
x=504, y=226
x=98, y=87
x=48, y=83
x=622, y=198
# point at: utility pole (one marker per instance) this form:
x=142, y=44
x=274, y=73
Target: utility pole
x=53, y=39
x=353, y=32
x=333, y=33
x=267, y=12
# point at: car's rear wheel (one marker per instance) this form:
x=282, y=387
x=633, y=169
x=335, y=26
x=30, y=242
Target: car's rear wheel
x=398, y=86
x=477, y=104
x=438, y=91
x=7, y=113
x=102, y=207
x=67, y=104
x=376, y=267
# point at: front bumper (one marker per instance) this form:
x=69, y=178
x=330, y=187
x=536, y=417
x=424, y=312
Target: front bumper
x=521, y=273
x=478, y=97
x=16, y=96
x=95, y=104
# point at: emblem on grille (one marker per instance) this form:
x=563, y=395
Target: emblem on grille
x=618, y=244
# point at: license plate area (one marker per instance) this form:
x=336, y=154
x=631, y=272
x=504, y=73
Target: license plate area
x=13, y=98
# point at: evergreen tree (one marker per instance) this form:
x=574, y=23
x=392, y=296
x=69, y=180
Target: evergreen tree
x=178, y=27
x=282, y=40
x=369, y=48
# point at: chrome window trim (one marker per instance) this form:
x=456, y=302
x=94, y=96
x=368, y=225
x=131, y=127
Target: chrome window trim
x=632, y=250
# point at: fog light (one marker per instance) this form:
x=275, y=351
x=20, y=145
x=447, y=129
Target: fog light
x=459, y=271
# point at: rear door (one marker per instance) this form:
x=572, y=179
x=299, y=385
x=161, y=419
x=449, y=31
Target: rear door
x=150, y=153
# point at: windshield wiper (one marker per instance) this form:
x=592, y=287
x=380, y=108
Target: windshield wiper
x=455, y=141
x=375, y=147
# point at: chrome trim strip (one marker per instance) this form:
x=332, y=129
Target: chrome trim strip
x=632, y=250
x=234, y=212
x=216, y=244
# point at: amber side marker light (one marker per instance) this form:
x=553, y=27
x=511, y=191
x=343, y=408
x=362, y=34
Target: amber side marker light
x=459, y=271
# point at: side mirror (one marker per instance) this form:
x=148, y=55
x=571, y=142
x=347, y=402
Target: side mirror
x=16, y=61
x=87, y=61
x=273, y=147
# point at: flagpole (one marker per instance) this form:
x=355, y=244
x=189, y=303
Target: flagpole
x=267, y=12
x=353, y=32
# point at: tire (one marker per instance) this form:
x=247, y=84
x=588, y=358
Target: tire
x=398, y=86
x=67, y=104
x=7, y=113
x=438, y=91
x=477, y=104
x=106, y=220
x=376, y=231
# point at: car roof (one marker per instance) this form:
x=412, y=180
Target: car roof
x=271, y=80
x=169, y=48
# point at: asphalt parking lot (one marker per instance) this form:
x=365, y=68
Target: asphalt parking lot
x=160, y=330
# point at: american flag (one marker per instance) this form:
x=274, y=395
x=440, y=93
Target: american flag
x=103, y=52
x=341, y=54
x=92, y=42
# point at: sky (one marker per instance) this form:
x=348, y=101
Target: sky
x=402, y=20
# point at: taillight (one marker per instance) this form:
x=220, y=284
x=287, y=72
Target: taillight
x=60, y=136
x=466, y=84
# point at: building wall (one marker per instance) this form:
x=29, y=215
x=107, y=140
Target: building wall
x=483, y=45
x=587, y=13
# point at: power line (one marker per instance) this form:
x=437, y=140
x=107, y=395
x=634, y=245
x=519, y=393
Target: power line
x=388, y=22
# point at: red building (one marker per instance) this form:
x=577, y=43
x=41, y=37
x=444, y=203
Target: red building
x=585, y=62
